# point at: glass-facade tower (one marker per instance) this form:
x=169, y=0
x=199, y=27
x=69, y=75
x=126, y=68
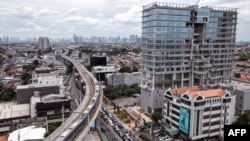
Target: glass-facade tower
x=185, y=45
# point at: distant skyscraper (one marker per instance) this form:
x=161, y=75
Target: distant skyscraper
x=184, y=45
x=43, y=43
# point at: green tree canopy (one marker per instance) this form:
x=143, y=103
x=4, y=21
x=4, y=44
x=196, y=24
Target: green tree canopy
x=26, y=77
x=7, y=94
x=156, y=117
x=114, y=92
x=125, y=69
x=69, y=68
x=35, y=62
x=28, y=68
x=243, y=119
x=135, y=69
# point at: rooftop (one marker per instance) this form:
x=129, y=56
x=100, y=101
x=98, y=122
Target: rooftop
x=9, y=110
x=187, y=6
x=207, y=93
x=184, y=89
x=194, y=91
x=34, y=86
x=27, y=133
x=238, y=85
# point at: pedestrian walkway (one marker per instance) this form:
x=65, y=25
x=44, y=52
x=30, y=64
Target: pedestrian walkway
x=92, y=136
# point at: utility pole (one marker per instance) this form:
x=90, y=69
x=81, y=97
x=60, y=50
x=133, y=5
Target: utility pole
x=63, y=113
x=46, y=124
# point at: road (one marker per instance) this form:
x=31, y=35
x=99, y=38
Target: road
x=109, y=132
x=76, y=92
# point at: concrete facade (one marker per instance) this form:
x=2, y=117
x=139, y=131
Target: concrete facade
x=123, y=78
x=207, y=111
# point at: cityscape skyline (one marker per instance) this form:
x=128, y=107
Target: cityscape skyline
x=56, y=19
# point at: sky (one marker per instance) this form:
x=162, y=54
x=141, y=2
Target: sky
x=64, y=18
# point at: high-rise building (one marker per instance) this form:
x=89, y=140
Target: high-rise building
x=184, y=45
x=43, y=43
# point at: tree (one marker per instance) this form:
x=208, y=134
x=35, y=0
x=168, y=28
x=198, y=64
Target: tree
x=125, y=69
x=10, y=56
x=89, y=68
x=135, y=69
x=69, y=52
x=69, y=68
x=114, y=92
x=136, y=50
x=48, y=50
x=237, y=75
x=7, y=94
x=28, y=68
x=243, y=119
x=6, y=69
x=156, y=117
x=35, y=62
x=26, y=77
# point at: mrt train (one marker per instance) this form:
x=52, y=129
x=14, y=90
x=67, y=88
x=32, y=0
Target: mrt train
x=83, y=120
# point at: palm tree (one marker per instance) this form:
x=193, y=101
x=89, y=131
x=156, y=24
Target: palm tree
x=156, y=117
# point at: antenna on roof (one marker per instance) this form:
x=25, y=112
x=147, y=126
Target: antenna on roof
x=197, y=2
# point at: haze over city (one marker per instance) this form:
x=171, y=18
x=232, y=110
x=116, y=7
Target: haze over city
x=62, y=19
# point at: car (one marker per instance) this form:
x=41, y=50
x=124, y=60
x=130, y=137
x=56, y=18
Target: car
x=103, y=130
x=157, y=131
x=127, y=135
x=120, y=133
x=113, y=118
x=130, y=139
x=116, y=128
x=120, y=126
x=163, y=138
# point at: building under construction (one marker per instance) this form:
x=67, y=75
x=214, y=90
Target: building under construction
x=185, y=45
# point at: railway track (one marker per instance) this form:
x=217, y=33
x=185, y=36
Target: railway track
x=89, y=93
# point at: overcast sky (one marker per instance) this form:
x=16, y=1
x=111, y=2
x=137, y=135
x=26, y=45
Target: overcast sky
x=63, y=18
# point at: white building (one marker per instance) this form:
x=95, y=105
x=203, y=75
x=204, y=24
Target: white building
x=123, y=78
x=27, y=134
x=199, y=114
x=242, y=92
x=104, y=69
x=43, y=43
x=58, y=52
x=48, y=78
x=49, y=59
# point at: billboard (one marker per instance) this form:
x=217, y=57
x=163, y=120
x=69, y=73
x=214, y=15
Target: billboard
x=184, y=120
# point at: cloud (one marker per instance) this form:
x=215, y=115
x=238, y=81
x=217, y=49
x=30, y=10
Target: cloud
x=33, y=29
x=74, y=19
x=47, y=13
x=81, y=20
x=96, y=17
x=40, y=29
x=99, y=14
x=73, y=11
x=26, y=12
x=30, y=24
x=131, y=16
x=121, y=6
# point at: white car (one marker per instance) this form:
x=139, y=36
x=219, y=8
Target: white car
x=165, y=138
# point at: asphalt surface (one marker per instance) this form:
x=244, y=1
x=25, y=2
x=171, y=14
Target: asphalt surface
x=76, y=92
x=108, y=131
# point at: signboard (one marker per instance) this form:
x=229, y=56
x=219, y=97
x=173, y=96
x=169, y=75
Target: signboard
x=184, y=120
